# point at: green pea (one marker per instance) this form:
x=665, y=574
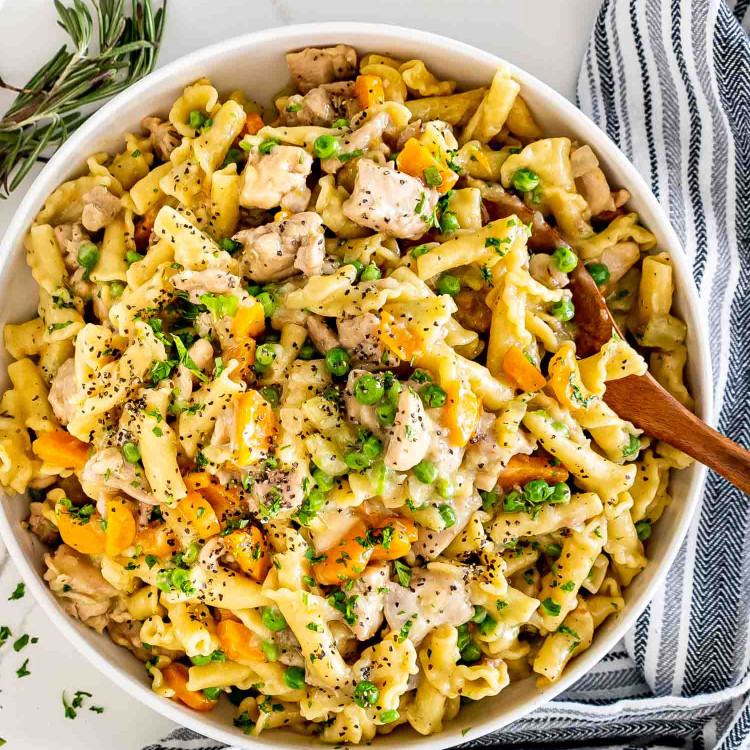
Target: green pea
x=433, y=395
x=199, y=660
x=294, y=678
x=131, y=452
x=463, y=636
x=471, y=653
x=307, y=352
x=388, y=717
x=359, y=267
x=357, y=461
x=368, y=389
x=444, y=487
x=342, y=122
x=479, y=614
x=370, y=273
x=643, y=529
x=372, y=447
x=88, y=256
x=426, y=472
x=316, y=499
x=116, y=288
x=448, y=515
x=386, y=414
x=231, y=246
x=271, y=650
x=448, y=222
x=537, y=491
x=271, y=395
x=632, y=448
x=513, y=502
x=338, y=362
x=322, y=479
x=553, y=550
x=565, y=259
x=196, y=118
x=419, y=250
x=254, y=289
x=599, y=273
x=190, y=555
x=212, y=693
x=366, y=694
x=133, y=257
x=563, y=310
x=266, y=300
x=326, y=146
x=525, y=180
x=489, y=499
x=273, y=619
x=487, y=625
x=265, y=355
x=392, y=392
x=560, y=494
x=181, y=579
x=449, y=284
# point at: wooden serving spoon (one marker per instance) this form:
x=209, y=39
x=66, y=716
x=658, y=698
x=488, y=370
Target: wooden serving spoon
x=641, y=400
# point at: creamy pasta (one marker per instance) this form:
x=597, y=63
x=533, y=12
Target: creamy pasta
x=302, y=417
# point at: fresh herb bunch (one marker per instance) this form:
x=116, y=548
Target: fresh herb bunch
x=48, y=109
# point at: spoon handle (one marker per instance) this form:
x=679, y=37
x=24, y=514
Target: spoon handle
x=642, y=401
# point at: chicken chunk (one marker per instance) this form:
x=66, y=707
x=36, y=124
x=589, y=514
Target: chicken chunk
x=211, y=281
x=390, y=201
x=484, y=455
x=367, y=137
x=409, y=438
x=277, y=178
x=446, y=456
x=322, y=105
x=69, y=238
x=543, y=269
x=280, y=249
x=321, y=334
x=312, y=66
x=359, y=336
x=433, y=597
x=63, y=390
x=100, y=209
x=81, y=589
x=164, y=138
x=368, y=593
x=111, y=473
x=431, y=543
x=279, y=491
x=44, y=529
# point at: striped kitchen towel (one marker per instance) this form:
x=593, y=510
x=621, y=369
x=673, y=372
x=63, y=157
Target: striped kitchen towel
x=669, y=81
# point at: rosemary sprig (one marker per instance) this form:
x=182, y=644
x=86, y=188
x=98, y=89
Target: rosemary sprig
x=48, y=108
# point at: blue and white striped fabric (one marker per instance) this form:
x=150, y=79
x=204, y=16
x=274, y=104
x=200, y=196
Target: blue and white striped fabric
x=669, y=81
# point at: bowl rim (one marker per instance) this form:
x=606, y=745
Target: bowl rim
x=314, y=34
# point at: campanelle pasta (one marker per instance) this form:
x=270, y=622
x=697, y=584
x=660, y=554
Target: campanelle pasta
x=302, y=415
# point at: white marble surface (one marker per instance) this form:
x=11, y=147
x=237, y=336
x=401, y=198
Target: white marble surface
x=545, y=37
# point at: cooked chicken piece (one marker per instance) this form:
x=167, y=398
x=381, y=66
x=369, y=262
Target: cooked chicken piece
x=143, y=515
x=543, y=269
x=360, y=414
x=359, y=336
x=100, y=209
x=212, y=281
x=81, y=588
x=211, y=552
x=431, y=543
x=409, y=438
x=619, y=259
x=321, y=334
x=128, y=634
x=370, y=591
x=484, y=455
x=45, y=530
x=280, y=249
x=432, y=598
x=593, y=186
x=224, y=427
x=202, y=353
x=412, y=130
x=62, y=392
x=390, y=201
x=69, y=238
x=446, y=456
x=312, y=67
x=277, y=179
x=164, y=138
x=109, y=470
x=368, y=136
x=322, y=105
x=280, y=488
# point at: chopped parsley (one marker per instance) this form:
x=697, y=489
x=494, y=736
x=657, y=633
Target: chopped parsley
x=22, y=671
x=18, y=593
x=551, y=607
x=351, y=155
x=403, y=572
x=187, y=360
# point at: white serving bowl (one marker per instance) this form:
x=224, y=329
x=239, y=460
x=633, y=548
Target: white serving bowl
x=255, y=63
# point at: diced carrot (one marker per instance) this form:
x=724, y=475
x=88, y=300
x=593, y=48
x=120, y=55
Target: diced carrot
x=226, y=614
x=522, y=469
x=250, y=550
x=244, y=352
x=88, y=538
x=563, y=368
x=523, y=372
x=255, y=427
x=201, y=515
x=225, y=501
x=250, y=320
x=404, y=534
x=253, y=123
x=415, y=158
x=197, y=480
x=156, y=539
x=120, y=526
x=462, y=412
x=369, y=91
x=176, y=676
x=60, y=448
x=239, y=643
x=402, y=341
x=347, y=559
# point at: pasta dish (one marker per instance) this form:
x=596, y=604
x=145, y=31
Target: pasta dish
x=302, y=417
